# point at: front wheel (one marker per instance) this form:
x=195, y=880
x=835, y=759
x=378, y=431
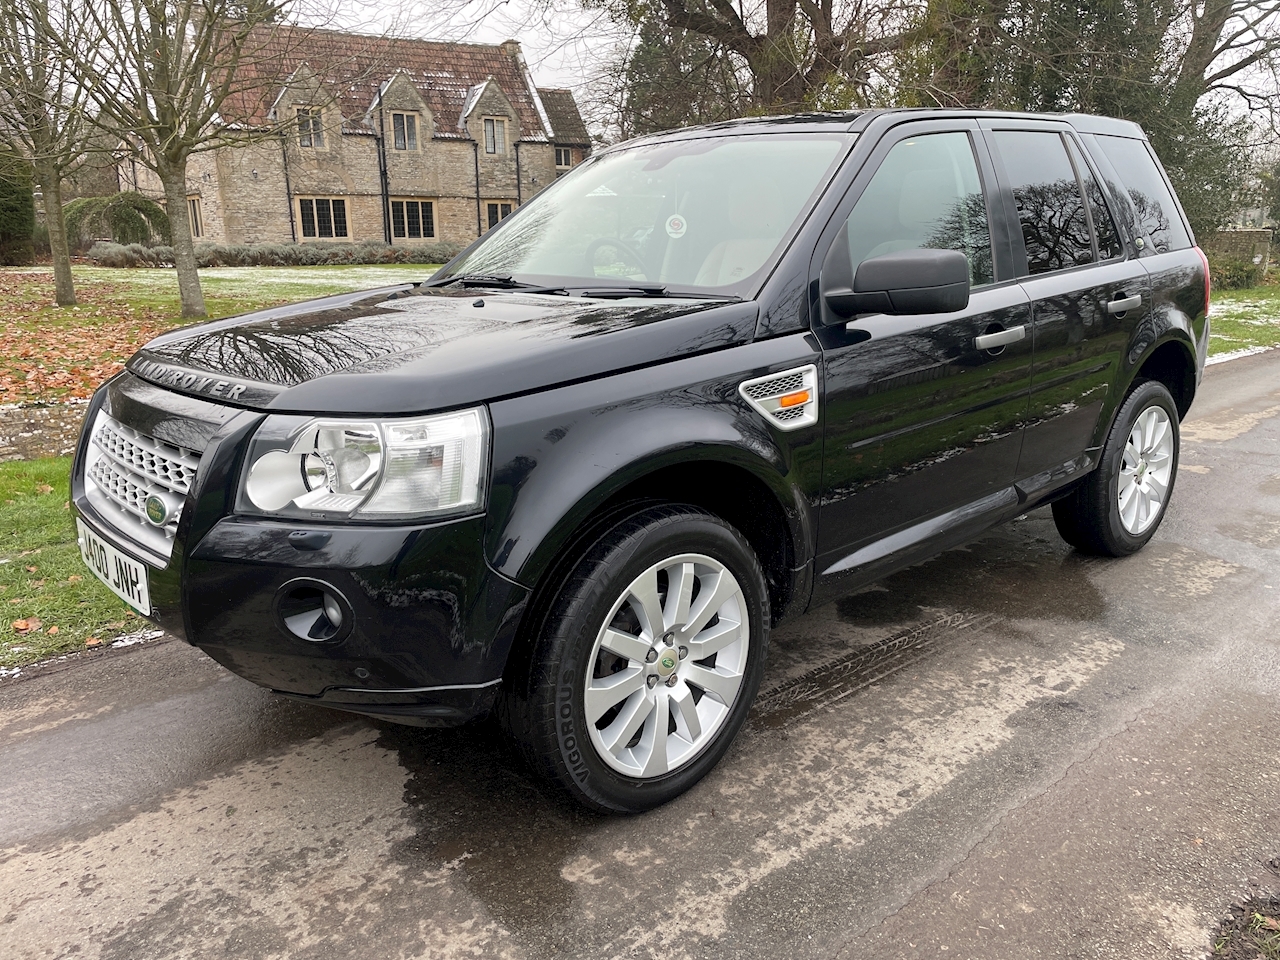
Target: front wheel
x=1119, y=506
x=648, y=661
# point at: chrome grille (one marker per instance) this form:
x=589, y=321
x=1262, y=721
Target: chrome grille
x=171, y=467
x=766, y=394
x=125, y=467
x=772, y=388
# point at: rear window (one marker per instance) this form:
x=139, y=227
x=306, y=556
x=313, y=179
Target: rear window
x=1055, y=230
x=1158, y=216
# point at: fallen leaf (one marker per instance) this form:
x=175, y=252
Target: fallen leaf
x=32, y=569
x=43, y=488
x=93, y=642
x=52, y=630
x=27, y=625
x=22, y=626
x=74, y=578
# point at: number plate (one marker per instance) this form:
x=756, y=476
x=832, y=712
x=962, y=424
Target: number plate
x=123, y=575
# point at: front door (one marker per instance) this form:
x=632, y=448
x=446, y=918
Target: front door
x=922, y=426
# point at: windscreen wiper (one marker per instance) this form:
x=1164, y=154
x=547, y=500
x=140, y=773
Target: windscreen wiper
x=644, y=290
x=479, y=280
x=589, y=291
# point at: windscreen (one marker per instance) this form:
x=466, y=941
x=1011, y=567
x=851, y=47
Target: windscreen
x=705, y=214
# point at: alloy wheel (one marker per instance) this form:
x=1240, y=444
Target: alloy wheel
x=1146, y=470
x=667, y=666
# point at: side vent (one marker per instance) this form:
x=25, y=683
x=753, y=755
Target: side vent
x=788, y=400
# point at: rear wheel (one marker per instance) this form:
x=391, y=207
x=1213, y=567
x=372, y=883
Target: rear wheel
x=648, y=661
x=1120, y=505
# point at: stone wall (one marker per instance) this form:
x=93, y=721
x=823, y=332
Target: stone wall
x=1251, y=245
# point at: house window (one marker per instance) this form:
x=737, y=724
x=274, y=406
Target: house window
x=413, y=219
x=498, y=212
x=404, y=127
x=564, y=158
x=323, y=217
x=495, y=136
x=193, y=214
x=310, y=130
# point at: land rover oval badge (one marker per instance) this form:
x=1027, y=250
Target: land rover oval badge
x=157, y=510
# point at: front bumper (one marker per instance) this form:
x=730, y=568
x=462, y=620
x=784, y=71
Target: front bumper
x=430, y=623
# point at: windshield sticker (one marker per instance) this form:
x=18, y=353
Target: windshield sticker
x=602, y=191
x=676, y=226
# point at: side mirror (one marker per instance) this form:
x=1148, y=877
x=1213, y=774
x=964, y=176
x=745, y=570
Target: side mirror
x=905, y=282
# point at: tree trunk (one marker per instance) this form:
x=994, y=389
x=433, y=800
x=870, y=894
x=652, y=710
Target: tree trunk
x=174, y=177
x=64, y=291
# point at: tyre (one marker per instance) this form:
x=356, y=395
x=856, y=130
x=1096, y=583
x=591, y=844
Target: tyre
x=647, y=663
x=1118, y=508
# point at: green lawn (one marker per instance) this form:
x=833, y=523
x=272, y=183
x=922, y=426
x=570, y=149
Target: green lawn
x=52, y=603
x=57, y=354
x=227, y=290
x=1245, y=319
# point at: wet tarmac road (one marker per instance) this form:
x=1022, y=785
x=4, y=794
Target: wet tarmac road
x=1009, y=751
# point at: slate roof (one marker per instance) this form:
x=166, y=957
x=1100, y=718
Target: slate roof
x=352, y=67
x=566, y=122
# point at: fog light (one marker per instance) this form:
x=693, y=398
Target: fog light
x=313, y=610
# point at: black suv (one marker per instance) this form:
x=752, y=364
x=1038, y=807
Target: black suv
x=707, y=381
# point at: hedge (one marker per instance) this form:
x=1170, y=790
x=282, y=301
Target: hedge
x=17, y=211
x=273, y=254
x=1235, y=273
x=128, y=218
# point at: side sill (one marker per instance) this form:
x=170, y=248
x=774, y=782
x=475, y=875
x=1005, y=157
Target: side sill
x=933, y=528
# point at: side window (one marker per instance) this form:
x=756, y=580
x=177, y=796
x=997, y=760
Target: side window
x=1104, y=227
x=1158, y=215
x=926, y=193
x=1050, y=206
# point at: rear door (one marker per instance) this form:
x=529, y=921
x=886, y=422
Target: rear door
x=1087, y=292
x=919, y=421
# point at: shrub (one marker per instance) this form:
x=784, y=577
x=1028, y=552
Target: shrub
x=17, y=211
x=1234, y=273
x=127, y=218
x=275, y=254
x=109, y=254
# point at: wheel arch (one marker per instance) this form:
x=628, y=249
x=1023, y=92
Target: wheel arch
x=736, y=485
x=1172, y=362
x=1169, y=360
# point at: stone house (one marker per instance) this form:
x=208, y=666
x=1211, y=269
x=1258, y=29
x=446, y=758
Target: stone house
x=384, y=139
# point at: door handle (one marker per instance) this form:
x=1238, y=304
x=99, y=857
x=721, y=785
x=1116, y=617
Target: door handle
x=992, y=341
x=1125, y=303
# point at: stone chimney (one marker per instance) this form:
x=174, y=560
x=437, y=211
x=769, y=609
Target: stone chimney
x=512, y=49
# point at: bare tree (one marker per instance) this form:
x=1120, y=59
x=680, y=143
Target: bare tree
x=175, y=78
x=158, y=74
x=42, y=111
x=1232, y=48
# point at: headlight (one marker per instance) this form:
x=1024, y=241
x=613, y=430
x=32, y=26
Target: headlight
x=328, y=469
